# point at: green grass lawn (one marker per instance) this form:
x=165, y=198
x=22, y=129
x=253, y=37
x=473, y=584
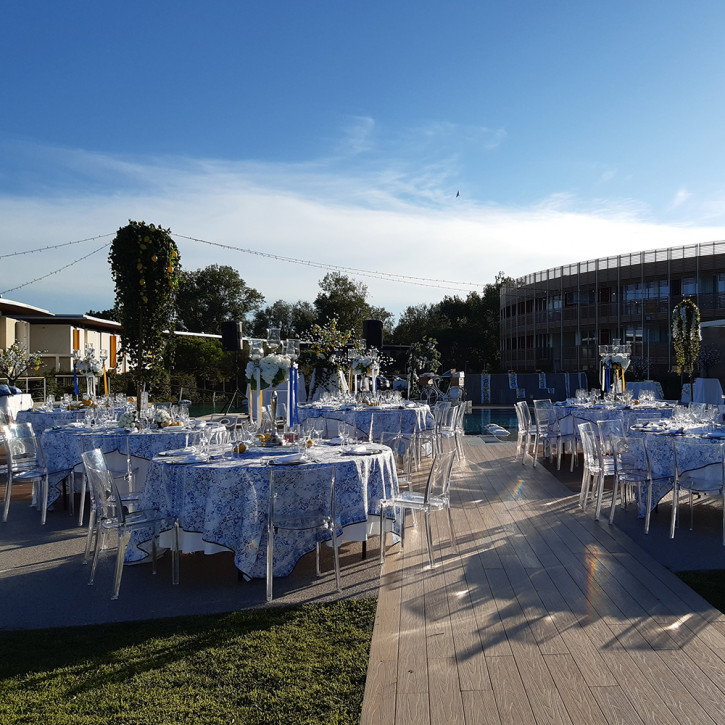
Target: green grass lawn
x=294, y=665
x=710, y=585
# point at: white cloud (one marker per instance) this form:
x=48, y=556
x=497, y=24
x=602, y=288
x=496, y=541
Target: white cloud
x=680, y=197
x=386, y=219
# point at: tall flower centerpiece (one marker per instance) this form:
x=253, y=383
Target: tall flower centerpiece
x=686, y=336
x=273, y=371
x=327, y=347
x=423, y=357
x=89, y=366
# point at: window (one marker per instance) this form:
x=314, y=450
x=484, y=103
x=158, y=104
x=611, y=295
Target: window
x=689, y=286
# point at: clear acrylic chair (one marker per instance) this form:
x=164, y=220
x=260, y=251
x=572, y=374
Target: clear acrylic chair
x=549, y=434
x=25, y=462
x=311, y=507
x=595, y=470
x=109, y=514
x=699, y=468
x=631, y=471
x=607, y=430
x=526, y=430
x=661, y=469
x=436, y=497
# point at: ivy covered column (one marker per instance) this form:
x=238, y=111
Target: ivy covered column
x=145, y=265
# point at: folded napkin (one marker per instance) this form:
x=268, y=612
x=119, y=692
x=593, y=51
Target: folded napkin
x=287, y=460
x=197, y=458
x=359, y=450
x=179, y=452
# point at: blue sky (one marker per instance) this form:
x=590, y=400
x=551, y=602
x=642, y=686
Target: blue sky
x=341, y=132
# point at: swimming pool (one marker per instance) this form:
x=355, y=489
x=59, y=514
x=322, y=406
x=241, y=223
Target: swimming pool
x=475, y=423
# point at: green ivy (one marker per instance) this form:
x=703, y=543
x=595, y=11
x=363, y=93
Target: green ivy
x=145, y=265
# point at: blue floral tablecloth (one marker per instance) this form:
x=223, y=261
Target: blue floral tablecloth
x=569, y=414
x=42, y=420
x=702, y=453
x=63, y=447
x=225, y=502
x=386, y=418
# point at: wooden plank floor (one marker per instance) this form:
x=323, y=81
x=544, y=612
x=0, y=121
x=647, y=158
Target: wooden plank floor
x=542, y=616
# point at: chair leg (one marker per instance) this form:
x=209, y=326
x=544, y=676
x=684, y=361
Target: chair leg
x=648, y=512
x=429, y=538
x=454, y=543
x=175, y=555
x=270, y=561
x=89, y=537
x=122, y=544
x=615, y=487
x=8, y=488
x=318, y=571
x=675, y=507
x=382, y=535
x=44, y=500
x=82, y=504
x=100, y=534
x=600, y=495
x=336, y=550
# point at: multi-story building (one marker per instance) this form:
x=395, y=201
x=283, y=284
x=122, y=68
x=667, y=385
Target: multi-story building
x=555, y=320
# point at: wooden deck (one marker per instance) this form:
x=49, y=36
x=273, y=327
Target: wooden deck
x=542, y=616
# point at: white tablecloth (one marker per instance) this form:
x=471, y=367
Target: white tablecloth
x=13, y=404
x=224, y=503
x=708, y=390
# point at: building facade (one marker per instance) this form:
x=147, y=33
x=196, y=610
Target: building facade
x=555, y=320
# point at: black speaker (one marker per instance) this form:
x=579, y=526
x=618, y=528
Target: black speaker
x=231, y=336
x=373, y=333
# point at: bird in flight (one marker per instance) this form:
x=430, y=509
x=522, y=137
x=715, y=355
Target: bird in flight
x=458, y=193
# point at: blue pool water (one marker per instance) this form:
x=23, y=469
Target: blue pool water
x=475, y=423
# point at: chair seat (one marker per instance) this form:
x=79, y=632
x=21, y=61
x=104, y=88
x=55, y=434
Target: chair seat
x=27, y=474
x=411, y=499
x=134, y=519
x=302, y=522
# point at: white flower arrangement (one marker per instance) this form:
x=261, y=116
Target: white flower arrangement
x=162, y=417
x=127, y=421
x=273, y=371
x=362, y=365
x=89, y=365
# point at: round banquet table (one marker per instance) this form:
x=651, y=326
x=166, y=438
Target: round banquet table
x=63, y=447
x=661, y=454
x=568, y=414
x=42, y=420
x=222, y=504
x=393, y=418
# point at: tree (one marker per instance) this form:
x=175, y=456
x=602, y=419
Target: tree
x=201, y=357
x=294, y=319
x=16, y=362
x=342, y=298
x=386, y=317
x=111, y=314
x=207, y=297
x=145, y=265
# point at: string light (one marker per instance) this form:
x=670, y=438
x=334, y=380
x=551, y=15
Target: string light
x=50, y=274
x=389, y=276
x=55, y=246
x=386, y=276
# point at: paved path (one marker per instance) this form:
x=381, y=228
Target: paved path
x=542, y=616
